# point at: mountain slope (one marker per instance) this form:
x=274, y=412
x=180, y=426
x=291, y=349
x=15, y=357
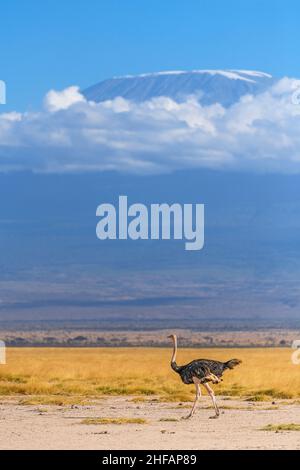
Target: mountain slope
x=211, y=86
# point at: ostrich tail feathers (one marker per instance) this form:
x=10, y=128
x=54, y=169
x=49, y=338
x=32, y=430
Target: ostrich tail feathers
x=232, y=363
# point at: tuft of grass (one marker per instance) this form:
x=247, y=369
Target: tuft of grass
x=281, y=427
x=14, y=379
x=113, y=421
x=42, y=410
x=268, y=408
x=256, y=398
x=125, y=390
x=268, y=395
x=53, y=400
x=138, y=400
x=169, y=420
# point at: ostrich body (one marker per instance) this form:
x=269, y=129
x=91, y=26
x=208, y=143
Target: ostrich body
x=201, y=372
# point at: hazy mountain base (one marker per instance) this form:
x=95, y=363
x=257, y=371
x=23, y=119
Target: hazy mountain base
x=155, y=338
x=55, y=271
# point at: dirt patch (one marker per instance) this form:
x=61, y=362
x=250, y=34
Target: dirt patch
x=28, y=427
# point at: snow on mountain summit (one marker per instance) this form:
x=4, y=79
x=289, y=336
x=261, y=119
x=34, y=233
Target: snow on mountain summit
x=246, y=75
x=210, y=86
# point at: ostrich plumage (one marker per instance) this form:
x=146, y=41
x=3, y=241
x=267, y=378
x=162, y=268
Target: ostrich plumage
x=201, y=372
x=205, y=370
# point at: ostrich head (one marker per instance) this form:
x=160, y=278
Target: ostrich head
x=173, y=337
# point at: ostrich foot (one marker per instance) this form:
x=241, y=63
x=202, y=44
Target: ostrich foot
x=214, y=417
x=187, y=417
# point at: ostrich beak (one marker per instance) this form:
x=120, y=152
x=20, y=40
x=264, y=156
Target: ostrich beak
x=170, y=336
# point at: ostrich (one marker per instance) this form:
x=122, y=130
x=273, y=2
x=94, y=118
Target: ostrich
x=201, y=372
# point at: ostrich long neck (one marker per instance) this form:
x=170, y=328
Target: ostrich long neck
x=173, y=360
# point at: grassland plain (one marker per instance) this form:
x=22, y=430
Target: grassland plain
x=73, y=376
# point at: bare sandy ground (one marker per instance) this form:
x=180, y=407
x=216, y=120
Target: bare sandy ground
x=53, y=427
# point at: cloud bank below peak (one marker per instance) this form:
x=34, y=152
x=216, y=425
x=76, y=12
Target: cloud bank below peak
x=258, y=132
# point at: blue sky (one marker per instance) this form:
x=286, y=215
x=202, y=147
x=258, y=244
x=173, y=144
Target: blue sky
x=54, y=44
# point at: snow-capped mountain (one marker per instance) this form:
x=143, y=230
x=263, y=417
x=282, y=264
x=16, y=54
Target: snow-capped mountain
x=210, y=86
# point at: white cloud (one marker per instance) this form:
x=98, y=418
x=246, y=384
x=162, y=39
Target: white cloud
x=258, y=133
x=57, y=100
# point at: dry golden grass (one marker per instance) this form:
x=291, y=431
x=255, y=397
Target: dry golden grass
x=168, y=420
x=58, y=400
x=281, y=427
x=68, y=376
x=113, y=421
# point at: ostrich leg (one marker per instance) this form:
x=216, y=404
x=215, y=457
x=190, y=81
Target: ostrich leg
x=198, y=396
x=212, y=396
